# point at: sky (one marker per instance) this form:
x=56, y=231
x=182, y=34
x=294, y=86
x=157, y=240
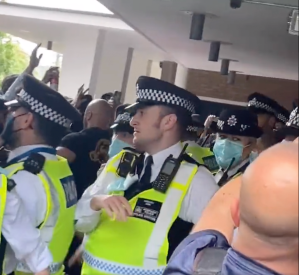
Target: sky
x=78, y=5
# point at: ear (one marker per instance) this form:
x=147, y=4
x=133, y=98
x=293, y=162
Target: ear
x=235, y=212
x=169, y=121
x=26, y=121
x=88, y=115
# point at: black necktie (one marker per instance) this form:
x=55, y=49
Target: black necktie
x=146, y=177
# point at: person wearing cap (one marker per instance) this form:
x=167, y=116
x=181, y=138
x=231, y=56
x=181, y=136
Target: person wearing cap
x=122, y=134
x=266, y=110
x=291, y=130
x=136, y=216
x=202, y=155
x=37, y=120
x=282, y=116
x=237, y=133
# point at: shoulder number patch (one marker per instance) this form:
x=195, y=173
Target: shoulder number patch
x=70, y=191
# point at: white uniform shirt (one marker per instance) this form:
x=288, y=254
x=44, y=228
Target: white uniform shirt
x=202, y=189
x=231, y=172
x=32, y=194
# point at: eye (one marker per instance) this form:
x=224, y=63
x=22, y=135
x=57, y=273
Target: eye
x=236, y=139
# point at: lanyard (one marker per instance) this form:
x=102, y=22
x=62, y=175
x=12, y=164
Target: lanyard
x=50, y=151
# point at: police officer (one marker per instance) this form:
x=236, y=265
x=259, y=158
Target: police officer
x=266, y=110
x=291, y=130
x=237, y=136
x=202, y=155
x=122, y=133
x=282, y=116
x=36, y=122
x=137, y=217
x=17, y=231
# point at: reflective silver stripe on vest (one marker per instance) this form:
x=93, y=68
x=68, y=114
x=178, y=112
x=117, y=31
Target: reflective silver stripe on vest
x=54, y=268
x=163, y=223
x=118, y=269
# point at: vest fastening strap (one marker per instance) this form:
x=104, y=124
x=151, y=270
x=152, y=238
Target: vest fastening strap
x=118, y=269
x=54, y=268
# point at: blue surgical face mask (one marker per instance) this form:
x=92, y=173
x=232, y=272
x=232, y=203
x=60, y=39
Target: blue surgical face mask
x=253, y=155
x=116, y=146
x=226, y=150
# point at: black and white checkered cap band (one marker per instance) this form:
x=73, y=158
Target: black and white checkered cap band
x=165, y=97
x=294, y=119
x=282, y=118
x=260, y=105
x=192, y=129
x=123, y=118
x=43, y=110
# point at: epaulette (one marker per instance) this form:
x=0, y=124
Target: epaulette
x=189, y=159
x=132, y=150
x=34, y=163
x=11, y=184
x=209, y=261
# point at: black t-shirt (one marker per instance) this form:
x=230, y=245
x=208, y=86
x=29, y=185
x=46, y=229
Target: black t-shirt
x=91, y=148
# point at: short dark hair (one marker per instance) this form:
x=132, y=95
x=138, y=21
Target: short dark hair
x=50, y=132
x=183, y=117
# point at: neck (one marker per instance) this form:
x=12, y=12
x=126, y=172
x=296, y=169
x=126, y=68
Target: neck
x=280, y=258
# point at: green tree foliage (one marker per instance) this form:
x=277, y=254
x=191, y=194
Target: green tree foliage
x=12, y=59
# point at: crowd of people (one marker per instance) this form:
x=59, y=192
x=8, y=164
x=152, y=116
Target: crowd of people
x=96, y=187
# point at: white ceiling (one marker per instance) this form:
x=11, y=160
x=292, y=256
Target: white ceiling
x=37, y=30
x=258, y=34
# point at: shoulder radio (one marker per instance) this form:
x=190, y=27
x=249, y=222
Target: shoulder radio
x=168, y=172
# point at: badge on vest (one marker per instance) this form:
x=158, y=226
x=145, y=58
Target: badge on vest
x=211, y=163
x=147, y=210
x=70, y=191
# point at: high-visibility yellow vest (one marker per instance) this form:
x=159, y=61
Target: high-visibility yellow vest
x=3, y=192
x=140, y=245
x=58, y=182
x=203, y=156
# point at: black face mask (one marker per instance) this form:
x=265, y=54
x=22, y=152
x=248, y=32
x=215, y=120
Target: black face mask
x=8, y=133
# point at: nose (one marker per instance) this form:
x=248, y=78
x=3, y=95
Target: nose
x=134, y=121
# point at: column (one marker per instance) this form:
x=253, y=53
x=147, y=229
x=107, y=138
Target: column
x=111, y=67
x=140, y=66
x=169, y=69
x=77, y=62
x=97, y=60
x=181, y=77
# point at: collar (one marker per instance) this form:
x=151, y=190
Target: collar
x=24, y=149
x=159, y=158
x=244, y=265
x=234, y=170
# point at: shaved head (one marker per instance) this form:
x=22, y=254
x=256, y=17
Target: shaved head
x=266, y=212
x=98, y=114
x=269, y=193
